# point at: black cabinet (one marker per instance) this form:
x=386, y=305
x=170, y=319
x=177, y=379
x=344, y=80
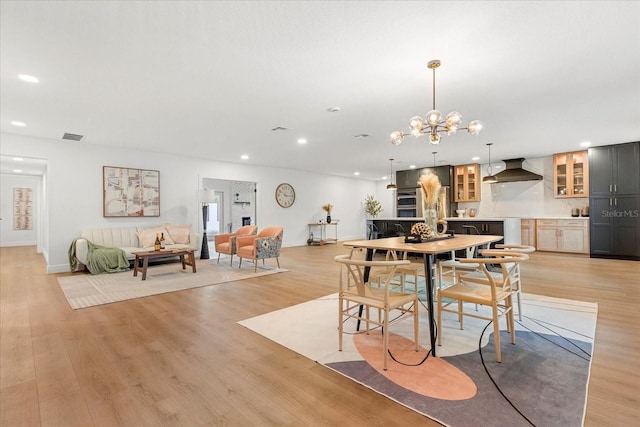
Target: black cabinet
x=614, y=179
x=409, y=178
x=614, y=170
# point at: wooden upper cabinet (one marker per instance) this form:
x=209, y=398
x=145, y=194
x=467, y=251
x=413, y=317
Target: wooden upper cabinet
x=466, y=181
x=571, y=175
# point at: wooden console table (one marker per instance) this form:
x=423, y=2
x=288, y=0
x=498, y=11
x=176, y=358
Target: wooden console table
x=321, y=233
x=145, y=256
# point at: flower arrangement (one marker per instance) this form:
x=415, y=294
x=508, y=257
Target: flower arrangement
x=327, y=208
x=372, y=206
x=430, y=185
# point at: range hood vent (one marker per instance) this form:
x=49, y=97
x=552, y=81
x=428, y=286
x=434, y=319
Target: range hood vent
x=514, y=172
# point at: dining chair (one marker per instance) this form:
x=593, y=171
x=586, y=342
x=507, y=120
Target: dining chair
x=448, y=269
x=484, y=290
x=226, y=243
x=356, y=294
x=514, y=271
x=516, y=281
x=265, y=244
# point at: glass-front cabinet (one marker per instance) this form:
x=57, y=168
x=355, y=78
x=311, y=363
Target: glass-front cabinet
x=571, y=175
x=467, y=183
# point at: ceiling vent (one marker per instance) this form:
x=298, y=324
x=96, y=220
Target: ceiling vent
x=72, y=137
x=278, y=129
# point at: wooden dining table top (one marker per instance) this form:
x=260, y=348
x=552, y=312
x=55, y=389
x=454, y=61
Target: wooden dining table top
x=457, y=242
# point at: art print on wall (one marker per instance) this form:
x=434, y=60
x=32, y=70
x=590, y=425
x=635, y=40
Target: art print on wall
x=22, y=209
x=130, y=192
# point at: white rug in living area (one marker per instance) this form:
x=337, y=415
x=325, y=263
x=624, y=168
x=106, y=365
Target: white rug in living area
x=87, y=290
x=542, y=380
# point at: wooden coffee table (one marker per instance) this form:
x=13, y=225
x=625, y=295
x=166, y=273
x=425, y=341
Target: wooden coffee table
x=146, y=256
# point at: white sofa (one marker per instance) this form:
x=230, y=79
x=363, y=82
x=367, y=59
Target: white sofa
x=126, y=238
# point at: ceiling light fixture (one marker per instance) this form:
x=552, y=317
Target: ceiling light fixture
x=302, y=141
x=434, y=123
x=391, y=186
x=491, y=178
x=28, y=78
x=19, y=124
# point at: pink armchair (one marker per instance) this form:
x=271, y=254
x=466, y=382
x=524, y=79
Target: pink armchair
x=226, y=243
x=265, y=244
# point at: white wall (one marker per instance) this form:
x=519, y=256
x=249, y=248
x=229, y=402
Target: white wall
x=9, y=236
x=74, y=192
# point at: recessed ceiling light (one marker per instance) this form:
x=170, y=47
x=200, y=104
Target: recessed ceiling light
x=385, y=177
x=302, y=141
x=412, y=166
x=18, y=159
x=585, y=144
x=19, y=124
x=333, y=109
x=244, y=157
x=17, y=170
x=475, y=158
x=356, y=173
x=28, y=78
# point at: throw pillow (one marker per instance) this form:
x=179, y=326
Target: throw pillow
x=148, y=237
x=179, y=233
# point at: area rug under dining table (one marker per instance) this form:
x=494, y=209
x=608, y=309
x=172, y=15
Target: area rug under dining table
x=542, y=380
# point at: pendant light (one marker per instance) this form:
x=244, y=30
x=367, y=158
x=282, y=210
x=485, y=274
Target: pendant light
x=491, y=178
x=391, y=186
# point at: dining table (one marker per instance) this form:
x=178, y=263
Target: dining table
x=429, y=249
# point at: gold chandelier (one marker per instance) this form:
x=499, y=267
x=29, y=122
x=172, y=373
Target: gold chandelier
x=434, y=123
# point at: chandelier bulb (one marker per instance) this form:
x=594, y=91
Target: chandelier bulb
x=434, y=117
x=434, y=138
x=474, y=127
x=396, y=137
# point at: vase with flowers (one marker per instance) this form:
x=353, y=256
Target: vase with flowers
x=327, y=208
x=430, y=186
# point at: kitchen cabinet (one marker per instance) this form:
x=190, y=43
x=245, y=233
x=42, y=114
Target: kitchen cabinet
x=466, y=183
x=409, y=178
x=614, y=175
x=571, y=175
x=614, y=170
x=615, y=227
x=528, y=232
x=562, y=235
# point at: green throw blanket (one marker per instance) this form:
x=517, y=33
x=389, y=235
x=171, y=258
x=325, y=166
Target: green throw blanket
x=100, y=259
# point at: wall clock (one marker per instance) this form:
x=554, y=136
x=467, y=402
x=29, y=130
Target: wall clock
x=285, y=195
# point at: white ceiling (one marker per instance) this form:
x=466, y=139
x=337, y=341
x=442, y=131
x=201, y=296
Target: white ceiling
x=211, y=79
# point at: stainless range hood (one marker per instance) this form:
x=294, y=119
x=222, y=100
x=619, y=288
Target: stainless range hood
x=514, y=172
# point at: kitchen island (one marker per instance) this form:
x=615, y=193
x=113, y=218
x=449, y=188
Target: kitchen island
x=507, y=227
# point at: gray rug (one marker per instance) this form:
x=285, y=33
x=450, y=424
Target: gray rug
x=86, y=290
x=541, y=381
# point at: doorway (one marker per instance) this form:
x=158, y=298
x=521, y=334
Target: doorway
x=216, y=216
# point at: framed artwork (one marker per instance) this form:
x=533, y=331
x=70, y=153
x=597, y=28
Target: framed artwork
x=130, y=192
x=22, y=209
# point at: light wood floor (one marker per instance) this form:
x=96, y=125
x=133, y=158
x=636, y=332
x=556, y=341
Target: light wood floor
x=181, y=359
